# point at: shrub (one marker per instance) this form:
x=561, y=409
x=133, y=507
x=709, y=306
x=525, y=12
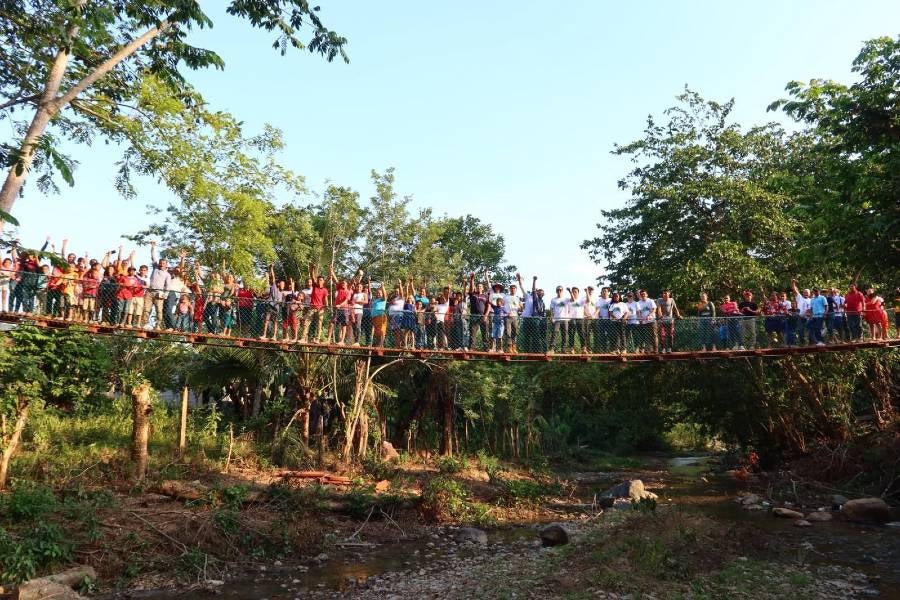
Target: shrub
x=443, y=499
x=29, y=502
x=38, y=547
x=449, y=465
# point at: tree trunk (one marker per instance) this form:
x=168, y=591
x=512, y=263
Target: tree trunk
x=362, y=442
x=257, y=400
x=360, y=394
x=52, y=102
x=182, y=426
x=304, y=426
x=11, y=443
x=140, y=434
x=447, y=423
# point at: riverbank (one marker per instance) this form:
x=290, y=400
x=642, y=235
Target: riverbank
x=395, y=531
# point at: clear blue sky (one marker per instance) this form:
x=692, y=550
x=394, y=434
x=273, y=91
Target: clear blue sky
x=505, y=110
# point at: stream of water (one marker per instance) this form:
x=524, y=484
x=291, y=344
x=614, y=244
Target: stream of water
x=684, y=481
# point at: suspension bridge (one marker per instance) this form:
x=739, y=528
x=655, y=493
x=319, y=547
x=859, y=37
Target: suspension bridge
x=593, y=344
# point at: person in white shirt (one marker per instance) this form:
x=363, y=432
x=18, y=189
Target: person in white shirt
x=618, y=316
x=559, y=316
x=804, y=307
x=647, y=319
x=441, y=308
x=603, y=328
x=590, y=320
x=513, y=303
x=575, y=310
x=633, y=328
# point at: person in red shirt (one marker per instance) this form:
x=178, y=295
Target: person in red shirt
x=90, y=284
x=127, y=284
x=343, y=312
x=853, y=305
x=318, y=303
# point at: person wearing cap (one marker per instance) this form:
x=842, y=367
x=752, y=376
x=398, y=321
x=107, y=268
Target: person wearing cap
x=513, y=302
x=559, y=317
x=575, y=312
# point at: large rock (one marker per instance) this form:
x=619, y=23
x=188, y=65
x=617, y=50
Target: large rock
x=388, y=452
x=867, y=510
x=787, y=513
x=554, y=535
x=58, y=586
x=750, y=499
x=633, y=489
x=471, y=534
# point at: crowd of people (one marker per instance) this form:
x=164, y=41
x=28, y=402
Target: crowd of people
x=482, y=315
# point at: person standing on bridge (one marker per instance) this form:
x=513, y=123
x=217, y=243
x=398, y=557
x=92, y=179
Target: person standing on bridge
x=803, y=300
x=749, y=312
x=158, y=288
x=729, y=310
x=667, y=311
x=478, y=312
x=618, y=317
x=706, y=313
x=559, y=316
x=647, y=319
x=854, y=302
x=274, y=304
x=818, y=308
x=513, y=302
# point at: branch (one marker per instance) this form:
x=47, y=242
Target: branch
x=20, y=100
x=111, y=63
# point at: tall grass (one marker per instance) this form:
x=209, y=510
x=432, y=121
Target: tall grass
x=93, y=444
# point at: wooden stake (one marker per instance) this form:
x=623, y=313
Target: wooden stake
x=182, y=428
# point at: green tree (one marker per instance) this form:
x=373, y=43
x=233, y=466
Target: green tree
x=703, y=212
x=63, y=368
x=846, y=166
x=58, y=56
x=227, y=183
x=388, y=233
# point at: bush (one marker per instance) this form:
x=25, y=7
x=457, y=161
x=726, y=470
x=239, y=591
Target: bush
x=449, y=465
x=29, y=502
x=37, y=548
x=489, y=463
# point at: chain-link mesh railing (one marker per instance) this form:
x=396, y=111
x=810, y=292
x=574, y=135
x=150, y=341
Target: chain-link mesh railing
x=432, y=326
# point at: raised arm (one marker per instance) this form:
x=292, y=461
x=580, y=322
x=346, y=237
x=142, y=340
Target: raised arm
x=487, y=280
x=794, y=287
x=471, y=286
x=119, y=260
x=131, y=257
x=46, y=243
x=856, y=279
x=65, y=244
x=533, y=285
x=153, y=253
x=105, y=262
x=181, y=263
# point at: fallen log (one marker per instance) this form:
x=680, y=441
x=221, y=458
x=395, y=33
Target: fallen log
x=320, y=476
x=302, y=474
x=58, y=585
x=194, y=490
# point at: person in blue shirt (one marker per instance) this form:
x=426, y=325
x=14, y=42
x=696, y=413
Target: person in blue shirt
x=498, y=311
x=818, y=307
